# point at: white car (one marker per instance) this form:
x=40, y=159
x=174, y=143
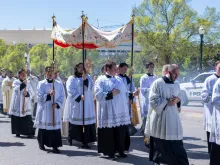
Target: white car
x=191, y=91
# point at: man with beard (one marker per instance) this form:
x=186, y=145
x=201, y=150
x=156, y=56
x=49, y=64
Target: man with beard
x=50, y=98
x=73, y=111
x=7, y=91
x=20, y=107
x=166, y=128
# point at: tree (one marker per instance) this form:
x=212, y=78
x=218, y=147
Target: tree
x=164, y=25
x=39, y=57
x=14, y=57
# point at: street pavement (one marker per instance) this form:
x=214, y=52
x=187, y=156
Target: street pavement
x=23, y=151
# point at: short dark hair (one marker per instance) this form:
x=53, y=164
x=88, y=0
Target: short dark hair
x=103, y=69
x=121, y=65
x=149, y=64
x=76, y=73
x=48, y=69
x=109, y=64
x=216, y=63
x=21, y=71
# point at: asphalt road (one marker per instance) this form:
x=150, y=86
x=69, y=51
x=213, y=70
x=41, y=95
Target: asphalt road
x=23, y=151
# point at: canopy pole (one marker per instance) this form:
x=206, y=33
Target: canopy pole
x=53, y=65
x=132, y=49
x=83, y=61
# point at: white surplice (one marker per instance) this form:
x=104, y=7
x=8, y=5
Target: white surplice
x=129, y=90
x=1, y=96
x=215, y=125
x=145, y=84
x=44, y=114
x=73, y=111
x=207, y=99
x=113, y=112
x=17, y=99
x=7, y=91
x=165, y=121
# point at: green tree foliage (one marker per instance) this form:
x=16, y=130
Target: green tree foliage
x=14, y=57
x=169, y=28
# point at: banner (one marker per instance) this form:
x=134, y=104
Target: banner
x=94, y=38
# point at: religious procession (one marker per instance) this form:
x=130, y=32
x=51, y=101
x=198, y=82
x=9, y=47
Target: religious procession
x=108, y=109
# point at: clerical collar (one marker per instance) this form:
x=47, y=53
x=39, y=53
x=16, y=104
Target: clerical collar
x=123, y=75
x=149, y=74
x=217, y=75
x=78, y=75
x=108, y=76
x=49, y=80
x=21, y=80
x=167, y=80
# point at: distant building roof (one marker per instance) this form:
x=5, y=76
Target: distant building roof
x=37, y=36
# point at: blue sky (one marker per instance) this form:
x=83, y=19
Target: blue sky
x=26, y=14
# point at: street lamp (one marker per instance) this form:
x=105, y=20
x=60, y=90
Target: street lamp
x=201, y=33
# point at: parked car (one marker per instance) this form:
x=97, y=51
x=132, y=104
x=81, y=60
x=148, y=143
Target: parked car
x=191, y=91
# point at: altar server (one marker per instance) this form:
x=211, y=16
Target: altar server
x=20, y=107
x=49, y=124
x=145, y=84
x=73, y=112
x=112, y=113
x=207, y=99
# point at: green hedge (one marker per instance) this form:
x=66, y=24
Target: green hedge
x=136, y=78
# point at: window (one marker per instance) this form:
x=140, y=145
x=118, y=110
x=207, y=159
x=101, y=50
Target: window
x=201, y=78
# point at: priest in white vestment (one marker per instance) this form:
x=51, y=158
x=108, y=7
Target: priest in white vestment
x=73, y=112
x=49, y=123
x=145, y=84
x=34, y=81
x=7, y=91
x=215, y=121
x=2, y=77
x=20, y=107
x=166, y=131
x=112, y=113
x=207, y=99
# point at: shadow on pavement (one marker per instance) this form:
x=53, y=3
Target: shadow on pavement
x=78, y=153
x=133, y=159
x=191, y=138
x=5, y=121
x=195, y=154
x=8, y=144
x=137, y=143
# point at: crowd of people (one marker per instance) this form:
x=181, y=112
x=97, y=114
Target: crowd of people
x=104, y=109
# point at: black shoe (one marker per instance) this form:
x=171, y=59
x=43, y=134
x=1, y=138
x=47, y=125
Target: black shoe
x=42, y=147
x=17, y=135
x=122, y=155
x=111, y=156
x=70, y=143
x=86, y=146
x=55, y=150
